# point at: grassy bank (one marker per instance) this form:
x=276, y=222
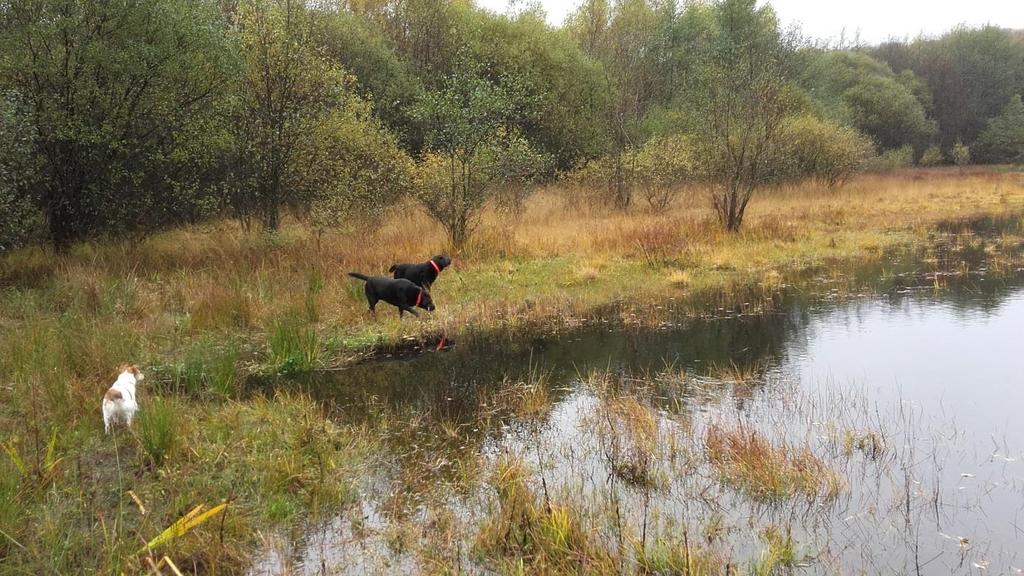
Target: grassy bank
x=199, y=309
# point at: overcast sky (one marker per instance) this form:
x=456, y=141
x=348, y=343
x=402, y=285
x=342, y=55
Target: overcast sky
x=872, y=20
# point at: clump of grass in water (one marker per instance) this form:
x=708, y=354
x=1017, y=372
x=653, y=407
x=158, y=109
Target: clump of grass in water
x=525, y=535
x=629, y=439
x=671, y=557
x=745, y=374
x=780, y=552
x=747, y=460
x=524, y=399
x=869, y=443
x=158, y=429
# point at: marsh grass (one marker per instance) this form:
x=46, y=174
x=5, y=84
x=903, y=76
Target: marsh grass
x=158, y=429
x=767, y=471
x=630, y=439
x=295, y=346
x=745, y=374
x=870, y=443
x=779, y=554
x=534, y=535
x=669, y=557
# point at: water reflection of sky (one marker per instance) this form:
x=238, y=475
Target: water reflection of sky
x=966, y=362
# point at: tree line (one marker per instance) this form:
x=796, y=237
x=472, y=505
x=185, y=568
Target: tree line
x=118, y=119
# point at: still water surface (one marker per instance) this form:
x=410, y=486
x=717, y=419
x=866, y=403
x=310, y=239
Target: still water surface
x=940, y=373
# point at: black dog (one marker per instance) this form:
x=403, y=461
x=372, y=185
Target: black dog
x=401, y=293
x=422, y=274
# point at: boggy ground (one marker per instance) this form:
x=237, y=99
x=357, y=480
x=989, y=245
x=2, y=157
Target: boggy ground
x=201, y=308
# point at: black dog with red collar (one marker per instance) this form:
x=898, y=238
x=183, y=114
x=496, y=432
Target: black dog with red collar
x=401, y=293
x=422, y=274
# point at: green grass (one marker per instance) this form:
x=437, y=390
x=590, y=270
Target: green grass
x=158, y=429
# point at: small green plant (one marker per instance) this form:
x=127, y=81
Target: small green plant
x=670, y=557
x=11, y=508
x=158, y=430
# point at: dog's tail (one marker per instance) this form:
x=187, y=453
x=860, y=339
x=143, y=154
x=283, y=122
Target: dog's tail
x=393, y=267
x=362, y=277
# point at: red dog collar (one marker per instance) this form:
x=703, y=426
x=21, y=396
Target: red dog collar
x=419, y=297
x=434, y=264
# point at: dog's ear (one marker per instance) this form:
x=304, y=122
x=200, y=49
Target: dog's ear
x=136, y=372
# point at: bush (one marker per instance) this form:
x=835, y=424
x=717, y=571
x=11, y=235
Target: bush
x=599, y=178
x=822, y=150
x=902, y=157
x=961, y=154
x=932, y=157
x=661, y=166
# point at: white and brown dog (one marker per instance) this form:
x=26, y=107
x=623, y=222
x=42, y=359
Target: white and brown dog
x=119, y=403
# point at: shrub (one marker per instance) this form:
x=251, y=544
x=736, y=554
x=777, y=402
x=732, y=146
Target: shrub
x=931, y=157
x=895, y=159
x=961, y=154
x=661, y=166
x=822, y=150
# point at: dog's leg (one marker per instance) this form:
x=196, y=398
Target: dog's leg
x=371, y=298
x=106, y=422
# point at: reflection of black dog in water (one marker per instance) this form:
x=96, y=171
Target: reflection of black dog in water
x=401, y=293
x=422, y=274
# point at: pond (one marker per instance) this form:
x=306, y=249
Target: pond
x=910, y=400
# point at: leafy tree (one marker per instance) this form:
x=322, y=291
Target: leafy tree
x=567, y=88
x=856, y=89
x=895, y=159
x=971, y=73
x=19, y=167
x=300, y=125
x=362, y=169
x=743, y=97
x=124, y=98
x=931, y=157
x=629, y=38
x=471, y=148
x=381, y=74
x=1003, y=139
